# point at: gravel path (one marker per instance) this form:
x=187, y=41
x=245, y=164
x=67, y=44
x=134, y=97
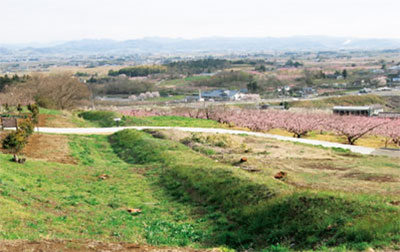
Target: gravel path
x=355, y=149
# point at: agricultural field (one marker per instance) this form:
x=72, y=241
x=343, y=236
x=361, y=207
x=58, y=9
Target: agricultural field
x=307, y=166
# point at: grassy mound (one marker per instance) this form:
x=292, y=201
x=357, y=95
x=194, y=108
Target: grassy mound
x=250, y=212
x=101, y=118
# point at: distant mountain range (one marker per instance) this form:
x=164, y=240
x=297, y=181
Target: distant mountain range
x=201, y=45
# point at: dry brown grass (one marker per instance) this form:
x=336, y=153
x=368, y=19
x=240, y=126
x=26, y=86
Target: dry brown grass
x=63, y=120
x=367, y=141
x=308, y=166
x=82, y=245
x=53, y=148
x=101, y=70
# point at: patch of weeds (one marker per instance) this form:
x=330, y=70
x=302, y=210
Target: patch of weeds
x=114, y=204
x=219, y=140
x=243, y=148
x=198, y=138
x=73, y=200
x=341, y=150
x=204, y=150
x=276, y=248
x=155, y=133
x=164, y=232
x=361, y=246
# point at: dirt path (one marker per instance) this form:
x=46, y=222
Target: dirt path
x=74, y=246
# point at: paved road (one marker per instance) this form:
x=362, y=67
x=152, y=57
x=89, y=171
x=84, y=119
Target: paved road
x=355, y=149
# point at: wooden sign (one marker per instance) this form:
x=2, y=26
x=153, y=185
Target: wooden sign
x=8, y=122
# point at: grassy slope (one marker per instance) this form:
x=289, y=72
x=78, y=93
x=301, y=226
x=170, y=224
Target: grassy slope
x=105, y=119
x=352, y=100
x=254, y=211
x=59, y=118
x=52, y=200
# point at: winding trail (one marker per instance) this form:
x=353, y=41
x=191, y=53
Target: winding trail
x=355, y=149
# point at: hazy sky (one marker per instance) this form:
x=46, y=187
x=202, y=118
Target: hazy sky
x=23, y=21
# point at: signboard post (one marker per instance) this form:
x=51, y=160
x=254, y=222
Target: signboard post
x=117, y=121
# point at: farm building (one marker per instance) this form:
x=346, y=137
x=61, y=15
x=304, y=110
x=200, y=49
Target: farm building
x=358, y=110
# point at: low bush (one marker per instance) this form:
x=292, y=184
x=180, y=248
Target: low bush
x=16, y=140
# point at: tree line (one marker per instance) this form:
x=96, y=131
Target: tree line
x=209, y=65
x=189, y=67
x=6, y=80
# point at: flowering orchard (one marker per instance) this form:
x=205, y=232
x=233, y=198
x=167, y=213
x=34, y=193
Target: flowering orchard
x=391, y=132
x=299, y=124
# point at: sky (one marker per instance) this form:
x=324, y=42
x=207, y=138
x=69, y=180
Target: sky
x=42, y=21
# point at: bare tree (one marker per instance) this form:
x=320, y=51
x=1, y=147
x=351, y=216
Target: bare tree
x=60, y=91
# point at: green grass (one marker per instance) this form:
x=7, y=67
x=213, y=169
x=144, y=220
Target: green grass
x=50, y=111
x=106, y=119
x=176, y=121
x=249, y=210
x=51, y=200
x=100, y=118
x=186, y=199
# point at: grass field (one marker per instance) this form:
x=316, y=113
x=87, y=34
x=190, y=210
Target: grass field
x=105, y=119
x=55, y=118
x=47, y=200
x=200, y=195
